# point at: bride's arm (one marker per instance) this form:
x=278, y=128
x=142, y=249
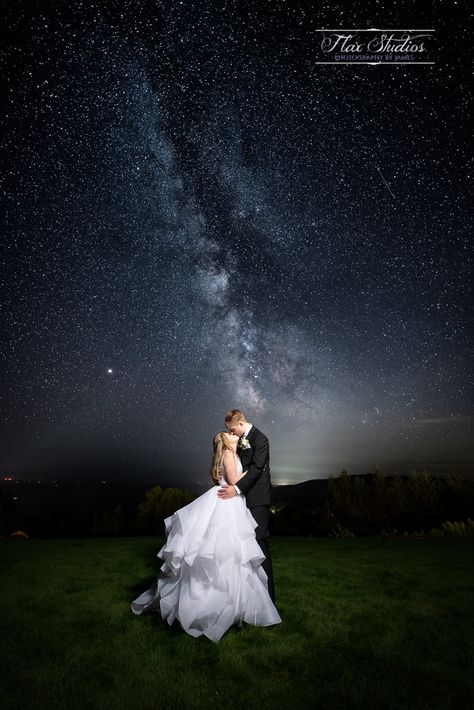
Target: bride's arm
x=230, y=468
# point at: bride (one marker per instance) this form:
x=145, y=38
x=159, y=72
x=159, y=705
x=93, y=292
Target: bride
x=212, y=576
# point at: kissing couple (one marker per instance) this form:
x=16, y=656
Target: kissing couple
x=217, y=569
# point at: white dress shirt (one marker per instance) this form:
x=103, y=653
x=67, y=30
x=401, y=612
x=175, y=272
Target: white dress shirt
x=249, y=426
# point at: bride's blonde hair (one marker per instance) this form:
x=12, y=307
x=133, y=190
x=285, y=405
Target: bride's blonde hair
x=219, y=447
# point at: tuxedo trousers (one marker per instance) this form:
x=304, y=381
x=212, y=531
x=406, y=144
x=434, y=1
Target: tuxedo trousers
x=261, y=513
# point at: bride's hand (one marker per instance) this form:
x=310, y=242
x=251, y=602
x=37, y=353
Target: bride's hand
x=241, y=475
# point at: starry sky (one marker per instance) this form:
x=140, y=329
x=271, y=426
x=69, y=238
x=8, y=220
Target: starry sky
x=200, y=216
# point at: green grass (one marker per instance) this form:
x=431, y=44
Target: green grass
x=367, y=623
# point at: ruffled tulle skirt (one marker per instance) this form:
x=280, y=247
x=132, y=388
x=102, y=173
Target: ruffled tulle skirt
x=212, y=576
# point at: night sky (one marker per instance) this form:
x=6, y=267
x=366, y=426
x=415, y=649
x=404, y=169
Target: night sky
x=199, y=217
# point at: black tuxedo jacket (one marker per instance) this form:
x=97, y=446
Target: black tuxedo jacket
x=255, y=485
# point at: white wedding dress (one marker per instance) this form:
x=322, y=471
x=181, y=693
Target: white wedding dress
x=213, y=576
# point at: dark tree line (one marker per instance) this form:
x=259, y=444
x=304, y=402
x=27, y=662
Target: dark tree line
x=378, y=505
x=147, y=519
x=346, y=505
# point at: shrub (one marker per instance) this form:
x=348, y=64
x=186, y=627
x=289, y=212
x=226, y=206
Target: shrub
x=340, y=531
x=454, y=529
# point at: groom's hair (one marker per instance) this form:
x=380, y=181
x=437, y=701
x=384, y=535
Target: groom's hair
x=233, y=416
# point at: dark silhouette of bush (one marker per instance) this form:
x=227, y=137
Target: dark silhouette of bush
x=159, y=504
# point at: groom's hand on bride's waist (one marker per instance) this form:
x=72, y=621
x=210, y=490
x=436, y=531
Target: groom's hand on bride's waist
x=226, y=491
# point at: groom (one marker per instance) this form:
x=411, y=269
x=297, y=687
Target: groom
x=253, y=449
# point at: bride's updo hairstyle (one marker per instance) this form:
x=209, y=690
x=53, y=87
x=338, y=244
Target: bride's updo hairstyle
x=219, y=447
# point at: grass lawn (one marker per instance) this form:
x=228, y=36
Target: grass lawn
x=367, y=623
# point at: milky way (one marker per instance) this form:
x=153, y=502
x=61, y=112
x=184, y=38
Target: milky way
x=200, y=217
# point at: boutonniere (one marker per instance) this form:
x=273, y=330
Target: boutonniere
x=244, y=443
